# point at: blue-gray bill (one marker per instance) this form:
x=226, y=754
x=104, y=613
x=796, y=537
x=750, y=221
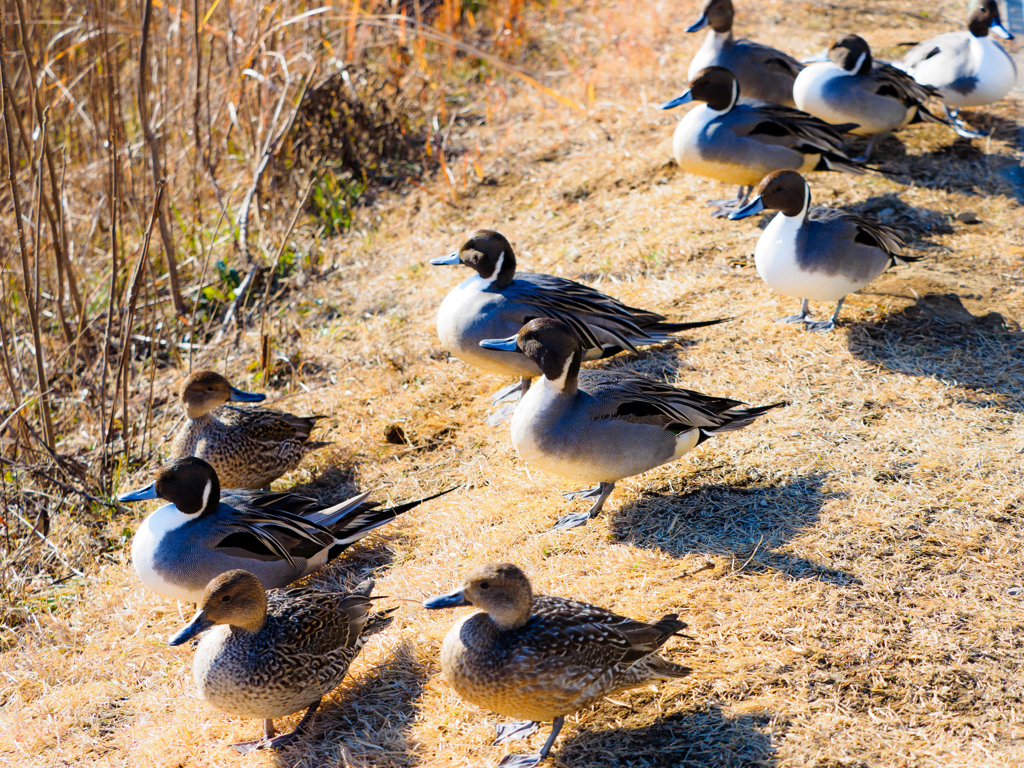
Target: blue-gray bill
x=142, y=494
x=503, y=345
x=699, y=24
x=754, y=206
x=239, y=396
x=451, y=600
x=686, y=98
x=446, y=261
x=198, y=625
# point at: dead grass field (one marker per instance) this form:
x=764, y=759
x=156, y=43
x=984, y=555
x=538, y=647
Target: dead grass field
x=850, y=567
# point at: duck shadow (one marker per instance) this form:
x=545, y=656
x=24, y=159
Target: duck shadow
x=331, y=485
x=919, y=223
x=745, y=523
x=938, y=338
x=696, y=738
x=367, y=720
x=662, y=362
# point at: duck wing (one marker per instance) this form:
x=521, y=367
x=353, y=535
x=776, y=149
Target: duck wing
x=271, y=526
x=776, y=124
x=867, y=231
x=946, y=44
x=773, y=60
x=900, y=85
x=318, y=623
x=266, y=424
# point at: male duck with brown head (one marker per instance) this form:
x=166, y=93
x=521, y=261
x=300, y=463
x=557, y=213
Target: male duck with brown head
x=498, y=301
x=249, y=447
x=740, y=141
x=268, y=656
x=602, y=426
x=818, y=253
x=763, y=73
x=969, y=68
x=851, y=87
x=540, y=658
x=204, y=531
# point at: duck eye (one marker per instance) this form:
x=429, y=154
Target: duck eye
x=225, y=599
x=484, y=585
x=209, y=389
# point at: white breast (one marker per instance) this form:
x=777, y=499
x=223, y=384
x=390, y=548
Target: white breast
x=995, y=71
x=453, y=307
x=144, y=546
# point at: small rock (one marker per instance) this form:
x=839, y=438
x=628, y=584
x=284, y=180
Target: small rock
x=395, y=435
x=968, y=217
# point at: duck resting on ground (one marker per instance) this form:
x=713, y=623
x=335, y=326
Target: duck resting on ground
x=249, y=447
x=818, y=253
x=540, y=658
x=497, y=301
x=741, y=141
x=602, y=426
x=204, y=531
x=268, y=656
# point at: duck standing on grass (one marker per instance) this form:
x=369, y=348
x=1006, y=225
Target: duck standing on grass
x=740, y=142
x=969, y=68
x=763, y=73
x=268, y=656
x=203, y=531
x=850, y=87
x=498, y=301
x=818, y=253
x=249, y=447
x=602, y=426
x=540, y=658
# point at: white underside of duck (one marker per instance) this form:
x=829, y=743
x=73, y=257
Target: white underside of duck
x=986, y=61
x=836, y=96
x=776, y=260
x=145, y=545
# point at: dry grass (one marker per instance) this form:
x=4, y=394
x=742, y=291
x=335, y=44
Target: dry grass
x=850, y=567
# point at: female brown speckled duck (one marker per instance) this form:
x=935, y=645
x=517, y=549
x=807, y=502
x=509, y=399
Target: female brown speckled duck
x=539, y=658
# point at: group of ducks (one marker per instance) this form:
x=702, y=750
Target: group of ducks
x=223, y=539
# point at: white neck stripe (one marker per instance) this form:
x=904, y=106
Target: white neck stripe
x=206, y=494
x=497, y=268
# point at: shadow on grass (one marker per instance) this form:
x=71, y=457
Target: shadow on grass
x=745, y=523
x=698, y=738
x=332, y=485
x=366, y=722
x=939, y=338
x=662, y=362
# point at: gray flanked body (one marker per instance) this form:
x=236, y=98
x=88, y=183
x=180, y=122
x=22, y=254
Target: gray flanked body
x=248, y=447
x=271, y=655
x=602, y=426
x=764, y=73
x=818, y=254
x=497, y=301
x=204, y=532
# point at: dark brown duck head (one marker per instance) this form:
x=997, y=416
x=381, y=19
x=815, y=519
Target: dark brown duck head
x=488, y=253
x=551, y=344
x=783, y=191
x=717, y=14
x=984, y=17
x=853, y=54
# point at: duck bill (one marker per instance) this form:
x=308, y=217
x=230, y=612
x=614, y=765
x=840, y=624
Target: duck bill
x=238, y=396
x=686, y=98
x=446, y=261
x=142, y=494
x=754, y=206
x=451, y=600
x=699, y=24
x=1001, y=31
x=504, y=345
x=198, y=625
x=816, y=58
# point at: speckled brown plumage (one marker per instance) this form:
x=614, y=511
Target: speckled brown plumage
x=279, y=652
x=249, y=447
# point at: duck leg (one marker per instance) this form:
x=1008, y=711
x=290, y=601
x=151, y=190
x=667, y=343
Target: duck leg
x=863, y=158
x=527, y=761
x=514, y=731
x=724, y=207
x=825, y=325
x=960, y=126
x=512, y=392
x=800, y=318
x=576, y=519
x=277, y=742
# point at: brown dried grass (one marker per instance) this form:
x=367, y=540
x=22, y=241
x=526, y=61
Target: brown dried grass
x=846, y=565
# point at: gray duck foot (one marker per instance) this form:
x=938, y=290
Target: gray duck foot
x=792, y=319
x=586, y=493
x=572, y=520
x=278, y=742
x=819, y=326
x=509, y=394
x=501, y=415
x=514, y=731
x=519, y=761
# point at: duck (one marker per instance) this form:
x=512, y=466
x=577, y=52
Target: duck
x=763, y=73
x=270, y=655
x=851, y=87
x=249, y=447
x=819, y=254
x=742, y=141
x=602, y=426
x=205, y=531
x=497, y=301
x=540, y=657
x=968, y=68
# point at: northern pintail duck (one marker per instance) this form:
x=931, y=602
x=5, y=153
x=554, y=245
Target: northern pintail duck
x=763, y=73
x=969, y=68
x=741, y=142
x=497, y=301
x=602, y=426
x=205, y=531
x=540, y=658
x=268, y=656
x=249, y=447
x=818, y=253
